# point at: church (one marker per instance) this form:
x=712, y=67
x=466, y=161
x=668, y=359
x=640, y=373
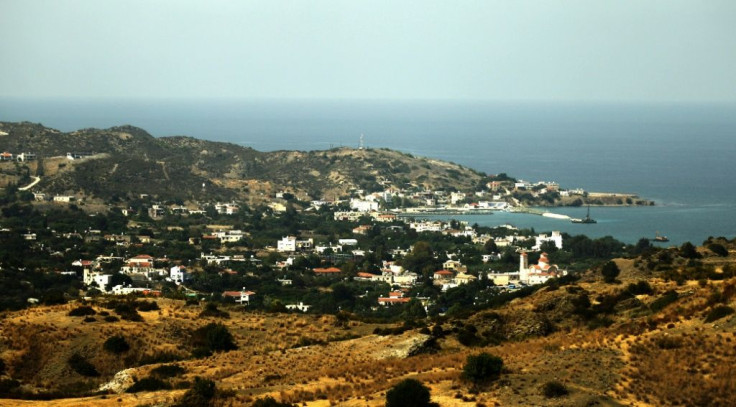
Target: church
x=538, y=273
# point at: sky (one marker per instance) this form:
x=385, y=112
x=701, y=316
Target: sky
x=514, y=50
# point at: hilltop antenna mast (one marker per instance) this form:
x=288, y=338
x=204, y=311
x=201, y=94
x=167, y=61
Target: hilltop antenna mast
x=362, y=143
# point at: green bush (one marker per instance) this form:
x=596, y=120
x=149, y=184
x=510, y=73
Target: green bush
x=610, y=271
x=211, y=310
x=82, y=311
x=641, y=287
x=482, y=368
x=116, y=344
x=408, y=393
x=719, y=312
x=167, y=371
x=200, y=395
x=718, y=249
x=148, y=384
x=80, y=365
x=666, y=299
x=214, y=337
x=147, y=306
x=554, y=389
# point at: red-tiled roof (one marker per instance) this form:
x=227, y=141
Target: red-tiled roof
x=443, y=273
x=327, y=270
x=366, y=275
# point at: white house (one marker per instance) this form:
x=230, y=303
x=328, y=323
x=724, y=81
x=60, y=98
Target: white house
x=226, y=208
x=240, y=297
x=64, y=198
x=179, y=274
x=556, y=238
x=291, y=244
x=363, y=206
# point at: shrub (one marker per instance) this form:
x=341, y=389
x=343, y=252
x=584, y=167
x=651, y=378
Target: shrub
x=718, y=249
x=214, y=337
x=82, y=311
x=641, y=287
x=148, y=384
x=80, y=365
x=160, y=357
x=482, y=368
x=719, y=312
x=167, y=371
x=116, y=344
x=211, y=310
x=610, y=271
x=111, y=318
x=408, y=393
x=554, y=389
x=201, y=394
x=666, y=299
x=2, y=367
x=269, y=401
x=128, y=312
x=147, y=306
x=8, y=387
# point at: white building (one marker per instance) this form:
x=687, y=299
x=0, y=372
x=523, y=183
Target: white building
x=426, y=226
x=363, y=206
x=227, y=208
x=179, y=274
x=291, y=244
x=556, y=238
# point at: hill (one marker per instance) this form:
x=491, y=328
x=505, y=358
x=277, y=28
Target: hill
x=126, y=161
x=661, y=335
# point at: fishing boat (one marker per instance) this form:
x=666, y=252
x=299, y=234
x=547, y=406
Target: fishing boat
x=660, y=238
x=586, y=219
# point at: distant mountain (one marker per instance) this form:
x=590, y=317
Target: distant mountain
x=127, y=161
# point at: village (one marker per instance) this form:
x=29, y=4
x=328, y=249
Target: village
x=223, y=238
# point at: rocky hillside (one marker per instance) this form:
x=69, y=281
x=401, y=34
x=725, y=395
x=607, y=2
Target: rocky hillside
x=128, y=161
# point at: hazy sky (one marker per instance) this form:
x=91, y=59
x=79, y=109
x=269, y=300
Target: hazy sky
x=609, y=50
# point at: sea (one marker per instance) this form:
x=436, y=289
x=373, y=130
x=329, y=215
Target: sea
x=682, y=156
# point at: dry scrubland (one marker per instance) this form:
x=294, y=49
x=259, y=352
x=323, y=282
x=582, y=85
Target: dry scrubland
x=668, y=357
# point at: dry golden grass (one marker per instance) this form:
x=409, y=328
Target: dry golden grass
x=667, y=358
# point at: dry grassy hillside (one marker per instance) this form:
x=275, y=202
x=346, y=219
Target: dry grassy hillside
x=650, y=349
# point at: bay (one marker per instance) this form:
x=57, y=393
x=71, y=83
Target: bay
x=680, y=155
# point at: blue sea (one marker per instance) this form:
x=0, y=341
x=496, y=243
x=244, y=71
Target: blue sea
x=679, y=155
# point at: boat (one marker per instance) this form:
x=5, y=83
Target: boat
x=586, y=219
x=660, y=238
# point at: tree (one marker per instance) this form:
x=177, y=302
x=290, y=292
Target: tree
x=482, y=368
x=408, y=393
x=610, y=271
x=201, y=394
x=116, y=344
x=687, y=250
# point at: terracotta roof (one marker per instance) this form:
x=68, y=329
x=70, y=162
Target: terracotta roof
x=443, y=273
x=327, y=270
x=237, y=293
x=366, y=275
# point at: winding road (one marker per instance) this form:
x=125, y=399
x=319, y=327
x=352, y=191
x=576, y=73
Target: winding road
x=36, y=180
